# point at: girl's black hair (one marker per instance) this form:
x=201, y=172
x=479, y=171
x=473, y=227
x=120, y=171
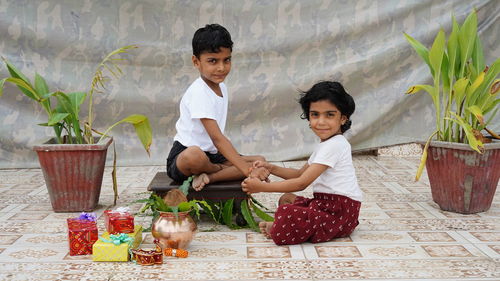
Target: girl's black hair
x=210, y=39
x=333, y=92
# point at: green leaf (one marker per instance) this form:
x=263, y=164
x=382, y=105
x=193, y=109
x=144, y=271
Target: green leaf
x=245, y=211
x=421, y=50
x=477, y=55
x=208, y=209
x=474, y=143
x=216, y=211
x=1, y=85
x=17, y=74
x=142, y=129
x=56, y=118
x=436, y=53
x=477, y=112
x=261, y=214
x=24, y=87
x=227, y=213
x=466, y=39
x=185, y=206
x=257, y=202
x=40, y=85
x=184, y=187
x=453, y=50
x=423, y=158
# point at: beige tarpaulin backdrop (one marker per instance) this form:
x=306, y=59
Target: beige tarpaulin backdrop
x=280, y=47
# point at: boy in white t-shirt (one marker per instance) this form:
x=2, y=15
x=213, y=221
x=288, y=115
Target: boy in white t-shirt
x=200, y=147
x=334, y=210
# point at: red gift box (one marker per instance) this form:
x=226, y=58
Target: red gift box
x=81, y=236
x=118, y=222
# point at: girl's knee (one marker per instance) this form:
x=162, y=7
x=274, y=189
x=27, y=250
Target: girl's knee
x=287, y=198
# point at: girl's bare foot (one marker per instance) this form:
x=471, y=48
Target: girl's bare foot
x=200, y=181
x=265, y=228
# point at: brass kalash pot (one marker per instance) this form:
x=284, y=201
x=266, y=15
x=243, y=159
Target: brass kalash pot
x=171, y=231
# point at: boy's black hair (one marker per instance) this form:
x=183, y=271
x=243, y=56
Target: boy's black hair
x=333, y=92
x=210, y=39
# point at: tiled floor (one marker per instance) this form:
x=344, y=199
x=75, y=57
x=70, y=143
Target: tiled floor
x=402, y=236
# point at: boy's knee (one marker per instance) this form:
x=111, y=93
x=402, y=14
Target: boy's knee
x=191, y=156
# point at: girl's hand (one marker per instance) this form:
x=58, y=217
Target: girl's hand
x=260, y=173
x=251, y=185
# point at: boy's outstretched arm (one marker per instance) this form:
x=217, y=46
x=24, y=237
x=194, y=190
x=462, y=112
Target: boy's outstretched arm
x=311, y=173
x=224, y=146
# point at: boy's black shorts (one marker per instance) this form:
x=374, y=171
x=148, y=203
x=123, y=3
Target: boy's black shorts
x=172, y=170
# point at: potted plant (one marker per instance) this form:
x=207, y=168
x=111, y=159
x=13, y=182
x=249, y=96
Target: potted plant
x=73, y=160
x=463, y=169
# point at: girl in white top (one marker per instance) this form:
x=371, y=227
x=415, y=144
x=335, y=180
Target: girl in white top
x=334, y=210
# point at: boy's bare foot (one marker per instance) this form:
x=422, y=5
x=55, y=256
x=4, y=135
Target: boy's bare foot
x=200, y=181
x=265, y=228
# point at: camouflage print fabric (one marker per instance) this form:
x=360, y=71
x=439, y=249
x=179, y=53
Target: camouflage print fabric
x=280, y=47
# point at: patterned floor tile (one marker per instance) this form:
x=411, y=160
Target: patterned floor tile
x=431, y=237
x=254, y=237
x=399, y=251
x=380, y=237
x=33, y=254
x=441, y=251
x=219, y=238
x=9, y=239
x=43, y=240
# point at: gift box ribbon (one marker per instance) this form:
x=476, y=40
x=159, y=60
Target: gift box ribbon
x=87, y=216
x=118, y=239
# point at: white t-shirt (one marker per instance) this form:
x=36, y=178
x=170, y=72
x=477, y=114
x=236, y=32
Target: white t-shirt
x=340, y=177
x=199, y=101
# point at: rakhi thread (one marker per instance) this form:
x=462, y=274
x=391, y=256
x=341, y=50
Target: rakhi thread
x=180, y=253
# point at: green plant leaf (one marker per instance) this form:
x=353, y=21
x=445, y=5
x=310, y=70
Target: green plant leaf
x=257, y=202
x=245, y=211
x=24, y=87
x=1, y=85
x=17, y=74
x=40, y=85
x=56, y=118
x=474, y=143
x=421, y=50
x=477, y=112
x=216, y=211
x=459, y=89
x=436, y=53
x=261, y=214
x=227, y=213
x=184, y=187
x=453, y=50
x=142, y=129
x=477, y=55
x=423, y=158
x=466, y=39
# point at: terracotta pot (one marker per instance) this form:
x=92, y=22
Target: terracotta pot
x=73, y=174
x=172, y=231
x=461, y=179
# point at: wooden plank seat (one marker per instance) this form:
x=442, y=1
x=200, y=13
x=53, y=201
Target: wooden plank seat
x=162, y=183
x=220, y=191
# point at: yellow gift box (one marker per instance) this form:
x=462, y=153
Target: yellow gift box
x=105, y=251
